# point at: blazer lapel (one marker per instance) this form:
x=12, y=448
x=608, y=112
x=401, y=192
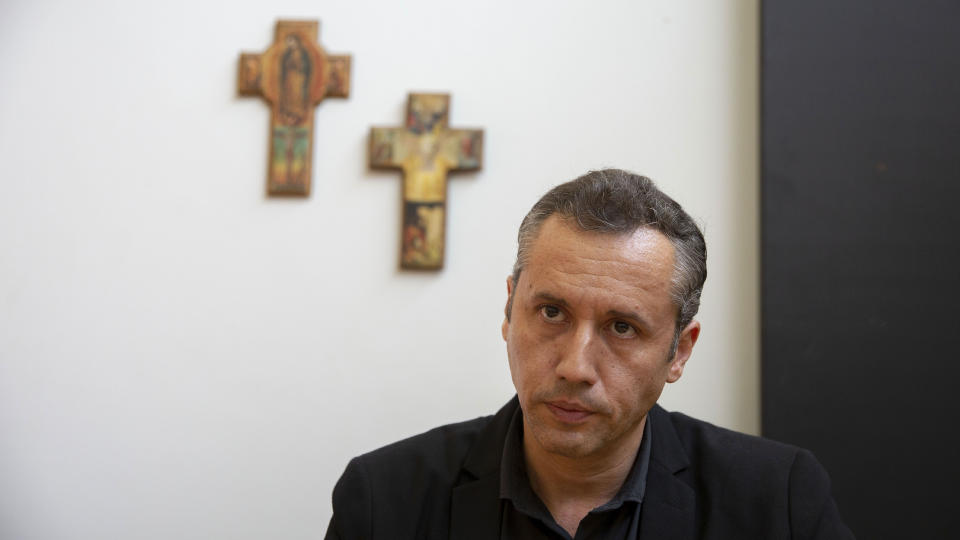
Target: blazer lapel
x=475, y=509
x=669, y=504
x=475, y=502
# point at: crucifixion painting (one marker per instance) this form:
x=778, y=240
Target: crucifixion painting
x=425, y=149
x=294, y=75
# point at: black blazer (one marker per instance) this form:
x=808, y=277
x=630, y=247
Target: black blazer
x=703, y=482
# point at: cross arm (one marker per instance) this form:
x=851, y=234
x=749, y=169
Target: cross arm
x=388, y=147
x=464, y=149
x=249, y=75
x=338, y=83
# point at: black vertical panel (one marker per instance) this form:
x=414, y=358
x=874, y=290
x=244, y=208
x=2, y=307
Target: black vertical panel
x=860, y=251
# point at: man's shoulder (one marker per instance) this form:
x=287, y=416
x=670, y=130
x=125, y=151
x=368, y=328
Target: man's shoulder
x=751, y=486
x=723, y=459
x=700, y=437
x=439, y=451
x=405, y=487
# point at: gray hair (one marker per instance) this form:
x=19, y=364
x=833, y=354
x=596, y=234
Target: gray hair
x=619, y=202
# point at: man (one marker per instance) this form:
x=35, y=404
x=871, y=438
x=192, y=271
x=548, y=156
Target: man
x=599, y=316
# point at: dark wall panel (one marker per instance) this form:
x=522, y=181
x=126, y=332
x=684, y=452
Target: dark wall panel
x=861, y=253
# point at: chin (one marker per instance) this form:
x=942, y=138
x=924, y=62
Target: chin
x=566, y=444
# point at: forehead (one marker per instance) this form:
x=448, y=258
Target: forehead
x=625, y=265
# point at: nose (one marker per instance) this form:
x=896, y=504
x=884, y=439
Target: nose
x=579, y=355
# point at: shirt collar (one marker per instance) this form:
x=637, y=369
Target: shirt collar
x=515, y=483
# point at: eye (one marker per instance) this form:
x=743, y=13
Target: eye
x=552, y=314
x=622, y=329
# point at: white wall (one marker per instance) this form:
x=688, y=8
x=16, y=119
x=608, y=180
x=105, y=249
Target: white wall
x=182, y=357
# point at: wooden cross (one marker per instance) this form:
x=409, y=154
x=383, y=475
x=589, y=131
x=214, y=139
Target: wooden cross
x=426, y=150
x=294, y=75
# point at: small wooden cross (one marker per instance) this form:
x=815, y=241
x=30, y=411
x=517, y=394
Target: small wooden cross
x=425, y=149
x=294, y=75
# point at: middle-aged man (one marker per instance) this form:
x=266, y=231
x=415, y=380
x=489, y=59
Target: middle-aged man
x=599, y=316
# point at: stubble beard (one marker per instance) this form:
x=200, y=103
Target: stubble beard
x=595, y=436
x=555, y=440
x=574, y=441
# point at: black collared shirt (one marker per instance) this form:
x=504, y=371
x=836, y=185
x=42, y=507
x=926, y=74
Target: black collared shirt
x=524, y=516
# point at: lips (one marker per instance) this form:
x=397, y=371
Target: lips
x=569, y=413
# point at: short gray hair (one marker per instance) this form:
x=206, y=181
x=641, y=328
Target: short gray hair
x=620, y=202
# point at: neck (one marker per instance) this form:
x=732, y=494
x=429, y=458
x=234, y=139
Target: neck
x=571, y=487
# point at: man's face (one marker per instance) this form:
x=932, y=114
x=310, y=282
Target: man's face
x=589, y=337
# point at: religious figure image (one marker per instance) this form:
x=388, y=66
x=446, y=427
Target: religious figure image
x=467, y=148
x=426, y=150
x=294, y=75
x=291, y=150
x=291, y=131
x=338, y=84
x=382, y=147
x=423, y=234
x=249, y=74
x=295, y=71
x=427, y=112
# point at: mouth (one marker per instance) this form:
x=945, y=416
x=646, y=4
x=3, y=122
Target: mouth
x=568, y=413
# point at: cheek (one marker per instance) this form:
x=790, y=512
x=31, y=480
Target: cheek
x=518, y=362
x=528, y=362
x=631, y=383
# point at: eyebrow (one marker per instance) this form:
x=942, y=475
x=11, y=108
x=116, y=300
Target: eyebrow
x=628, y=315
x=631, y=316
x=551, y=298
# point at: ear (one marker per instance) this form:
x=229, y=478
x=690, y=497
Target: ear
x=506, y=308
x=688, y=338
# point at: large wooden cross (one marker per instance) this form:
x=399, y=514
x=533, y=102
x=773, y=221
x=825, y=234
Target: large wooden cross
x=426, y=150
x=294, y=75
